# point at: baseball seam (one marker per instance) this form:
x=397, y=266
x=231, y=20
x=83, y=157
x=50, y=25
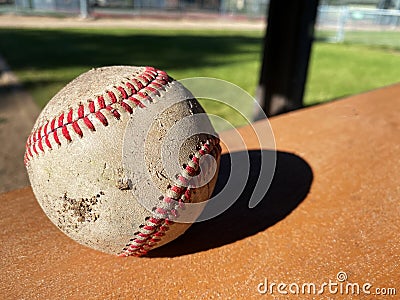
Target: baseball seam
x=176, y=196
x=127, y=96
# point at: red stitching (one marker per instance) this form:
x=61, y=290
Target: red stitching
x=34, y=137
x=92, y=109
x=190, y=170
x=144, y=78
x=153, y=90
x=150, y=81
x=101, y=102
x=126, y=107
x=45, y=131
x=154, y=221
x=88, y=123
x=123, y=92
x=157, y=85
x=137, y=102
x=48, y=142
x=46, y=137
x=29, y=151
x=112, y=96
x=195, y=160
x=101, y=118
x=55, y=135
x=77, y=129
x=177, y=189
x=161, y=211
x=113, y=111
x=138, y=83
x=40, y=145
x=53, y=124
x=139, y=241
x=183, y=180
x=81, y=111
x=61, y=120
x=187, y=194
x=38, y=134
x=131, y=87
x=181, y=204
x=143, y=95
x=174, y=212
x=69, y=117
x=34, y=149
x=151, y=232
x=65, y=133
x=206, y=147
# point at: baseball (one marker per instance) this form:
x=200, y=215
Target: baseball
x=118, y=157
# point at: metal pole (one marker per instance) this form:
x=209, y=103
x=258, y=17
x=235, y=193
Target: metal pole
x=343, y=15
x=287, y=47
x=84, y=9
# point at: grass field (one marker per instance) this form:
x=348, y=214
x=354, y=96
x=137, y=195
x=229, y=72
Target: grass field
x=338, y=70
x=389, y=40
x=45, y=60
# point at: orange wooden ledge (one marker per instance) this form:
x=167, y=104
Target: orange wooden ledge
x=333, y=206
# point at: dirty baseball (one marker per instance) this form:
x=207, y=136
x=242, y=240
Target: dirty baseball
x=118, y=155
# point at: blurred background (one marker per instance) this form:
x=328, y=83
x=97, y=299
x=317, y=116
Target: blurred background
x=356, y=42
x=44, y=44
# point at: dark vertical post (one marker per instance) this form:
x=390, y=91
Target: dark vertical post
x=287, y=47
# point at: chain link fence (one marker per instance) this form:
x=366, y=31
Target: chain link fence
x=246, y=8
x=338, y=23
x=355, y=21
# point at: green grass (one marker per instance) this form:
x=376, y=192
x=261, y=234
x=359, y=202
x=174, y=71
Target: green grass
x=379, y=39
x=338, y=70
x=45, y=60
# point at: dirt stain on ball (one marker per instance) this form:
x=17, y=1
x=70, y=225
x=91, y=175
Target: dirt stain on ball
x=78, y=211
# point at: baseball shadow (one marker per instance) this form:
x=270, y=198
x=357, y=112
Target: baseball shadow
x=290, y=185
